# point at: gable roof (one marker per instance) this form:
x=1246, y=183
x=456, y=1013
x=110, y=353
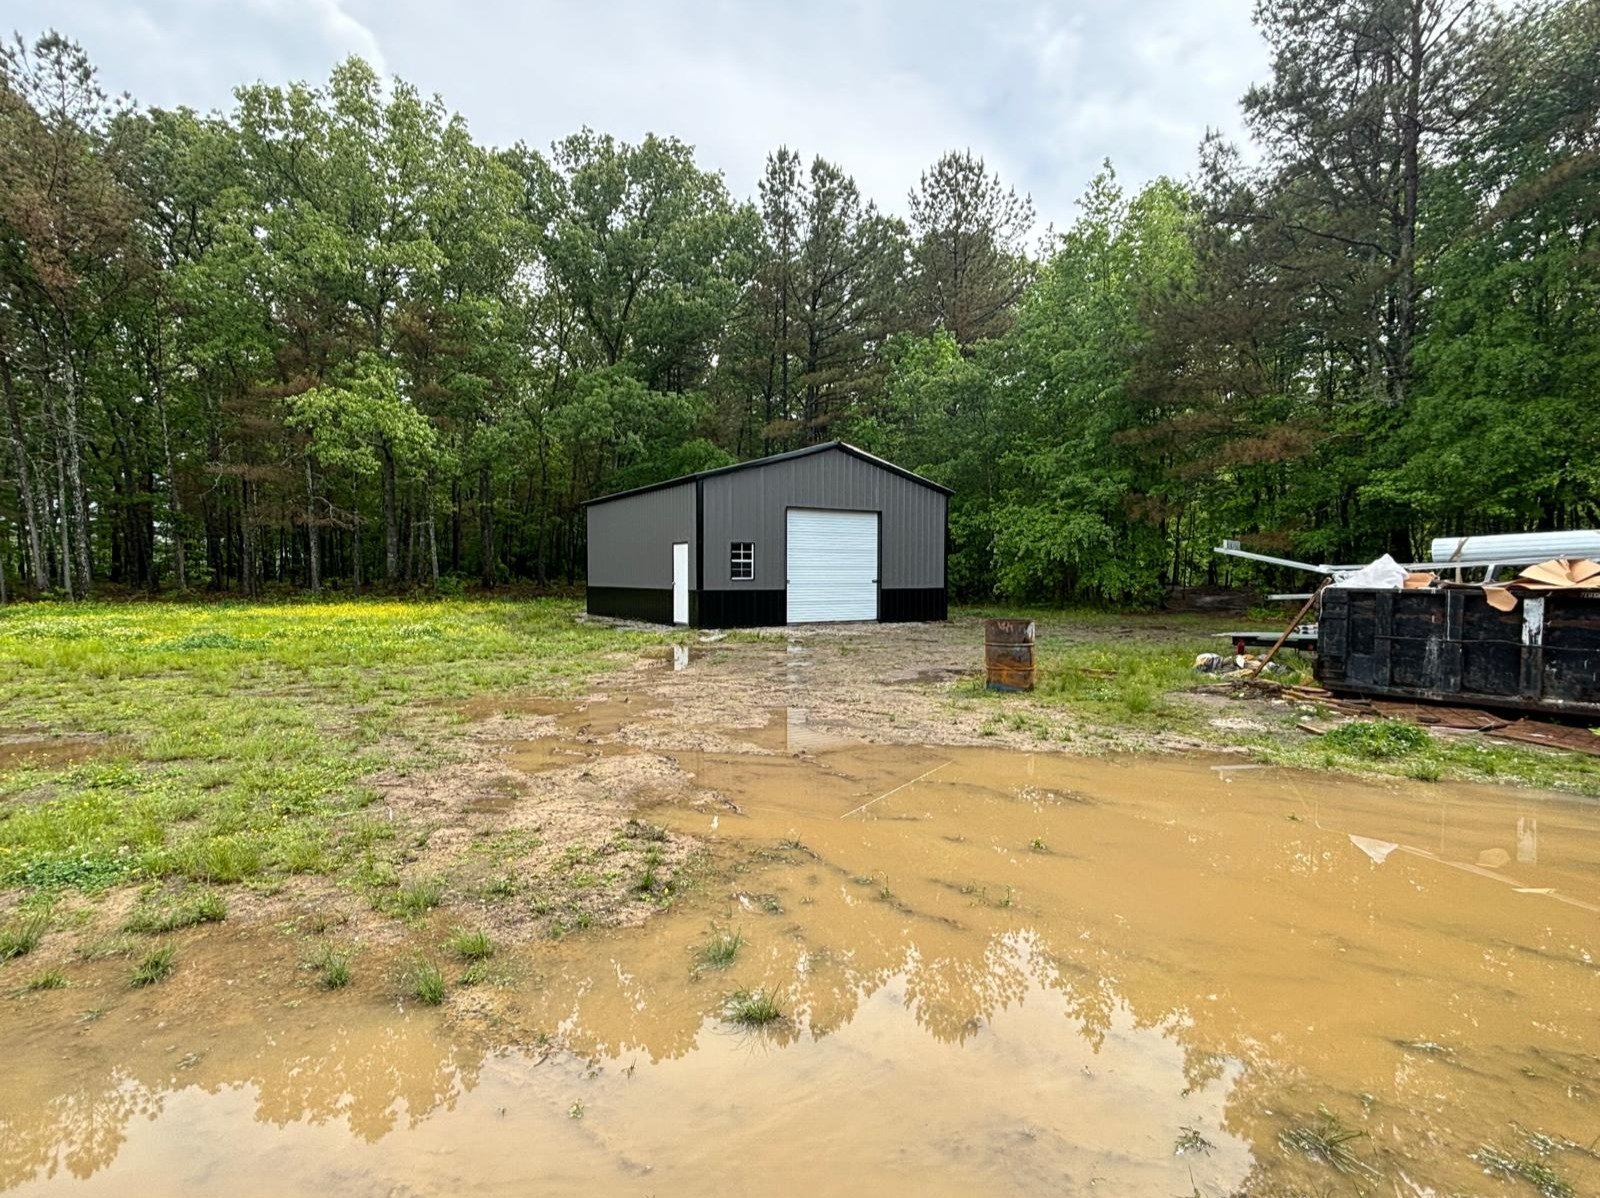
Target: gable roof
x=778, y=457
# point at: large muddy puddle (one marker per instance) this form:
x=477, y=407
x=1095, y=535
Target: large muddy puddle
x=997, y=973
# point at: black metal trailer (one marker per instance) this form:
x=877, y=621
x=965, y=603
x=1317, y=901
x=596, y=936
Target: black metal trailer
x=1449, y=645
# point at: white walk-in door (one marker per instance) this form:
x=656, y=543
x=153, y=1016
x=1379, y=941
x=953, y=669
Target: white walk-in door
x=833, y=565
x=680, y=582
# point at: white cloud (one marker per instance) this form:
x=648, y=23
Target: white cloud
x=1042, y=91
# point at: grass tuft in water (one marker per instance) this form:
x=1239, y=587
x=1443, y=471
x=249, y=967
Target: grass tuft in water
x=719, y=952
x=427, y=983
x=1189, y=1140
x=206, y=907
x=23, y=936
x=332, y=966
x=155, y=966
x=752, y=1008
x=472, y=946
x=1328, y=1140
x=1529, y=1167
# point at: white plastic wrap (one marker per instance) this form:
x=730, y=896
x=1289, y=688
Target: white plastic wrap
x=1385, y=574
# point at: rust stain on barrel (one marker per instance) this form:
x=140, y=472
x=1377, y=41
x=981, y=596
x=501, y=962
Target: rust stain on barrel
x=1008, y=654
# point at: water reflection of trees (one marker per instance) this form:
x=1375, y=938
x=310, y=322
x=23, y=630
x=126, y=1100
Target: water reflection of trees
x=367, y=1074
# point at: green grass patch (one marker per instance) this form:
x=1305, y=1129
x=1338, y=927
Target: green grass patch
x=155, y=966
x=426, y=983
x=22, y=936
x=332, y=966
x=186, y=912
x=472, y=945
x=721, y=950
x=1378, y=740
x=751, y=1008
x=50, y=979
x=414, y=898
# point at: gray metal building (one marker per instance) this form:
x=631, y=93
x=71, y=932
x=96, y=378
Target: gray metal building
x=820, y=534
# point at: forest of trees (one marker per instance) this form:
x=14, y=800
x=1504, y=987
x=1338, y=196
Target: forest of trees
x=327, y=340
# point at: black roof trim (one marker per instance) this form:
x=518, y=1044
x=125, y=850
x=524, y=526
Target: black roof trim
x=778, y=457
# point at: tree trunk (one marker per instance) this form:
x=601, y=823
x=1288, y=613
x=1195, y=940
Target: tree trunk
x=486, y=525
x=391, y=518
x=30, y=510
x=62, y=516
x=80, y=503
x=313, y=540
x=174, y=503
x=433, y=543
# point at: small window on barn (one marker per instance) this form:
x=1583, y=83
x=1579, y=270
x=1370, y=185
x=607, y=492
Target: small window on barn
x=742, y=561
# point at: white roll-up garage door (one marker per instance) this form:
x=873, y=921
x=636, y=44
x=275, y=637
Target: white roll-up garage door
x=832, y=565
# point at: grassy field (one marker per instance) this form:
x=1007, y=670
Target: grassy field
x=231, y=740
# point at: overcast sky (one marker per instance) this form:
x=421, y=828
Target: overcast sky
x=1043, y=91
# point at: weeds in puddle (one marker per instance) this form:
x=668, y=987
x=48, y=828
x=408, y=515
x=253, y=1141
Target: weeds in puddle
x=1530, y=1167
x=427, y=983
x=22, y=936
x=332, y=966
x=157, y=919
x=1328, y=1141
x=751, y=1008
x=155, y=966
x=1038, y=845
x=1189, y=1140
x=720, y=951
x=472, y=946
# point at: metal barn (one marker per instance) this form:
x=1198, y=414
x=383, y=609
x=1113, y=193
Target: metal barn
x=826, y=533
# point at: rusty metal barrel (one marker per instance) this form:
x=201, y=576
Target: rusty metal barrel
x=1008, y=654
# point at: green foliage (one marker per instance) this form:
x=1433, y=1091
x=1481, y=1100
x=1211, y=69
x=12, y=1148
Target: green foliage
x=1377, y=739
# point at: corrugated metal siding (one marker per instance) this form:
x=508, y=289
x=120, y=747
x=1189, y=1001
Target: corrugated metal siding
x=630, y=540
x=750, y=506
